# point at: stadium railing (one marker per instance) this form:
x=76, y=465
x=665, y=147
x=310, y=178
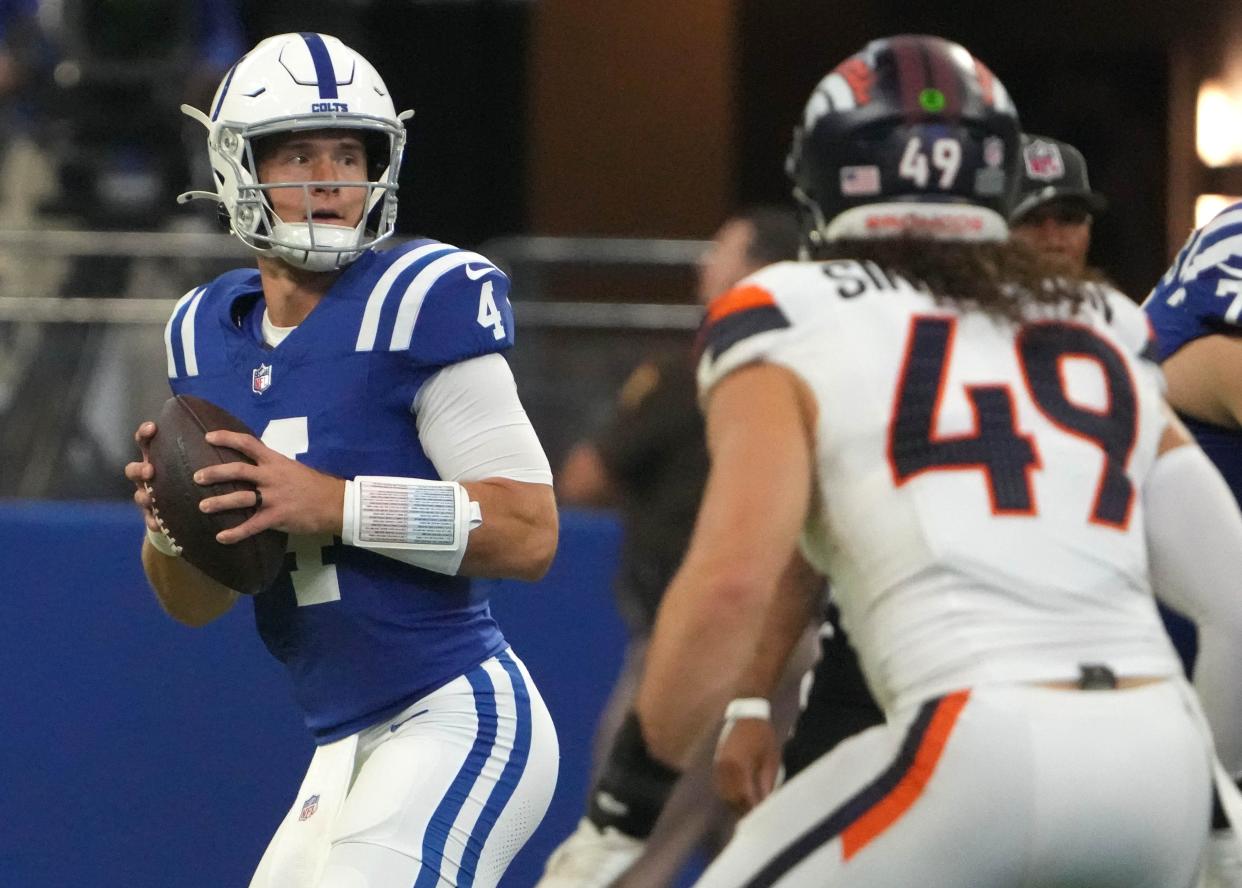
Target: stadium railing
x=77, y=372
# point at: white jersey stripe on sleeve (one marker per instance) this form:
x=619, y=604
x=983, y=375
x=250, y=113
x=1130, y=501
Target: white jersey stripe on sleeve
x=375, y=302
x=187, y=335
x=1229, y=218
x=416, y=292
x=1208, y=257
x=168, y=330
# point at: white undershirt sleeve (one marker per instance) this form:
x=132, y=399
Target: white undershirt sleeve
x=472, y=425
x=1194, y=539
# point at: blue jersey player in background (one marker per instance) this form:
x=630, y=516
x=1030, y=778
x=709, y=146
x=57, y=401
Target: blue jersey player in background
x=392, y=447
x=1196, y=312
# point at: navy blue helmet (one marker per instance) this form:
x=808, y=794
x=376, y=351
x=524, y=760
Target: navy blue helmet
x=911, y=136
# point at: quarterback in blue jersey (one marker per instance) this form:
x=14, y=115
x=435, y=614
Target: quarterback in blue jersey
x=370, y=378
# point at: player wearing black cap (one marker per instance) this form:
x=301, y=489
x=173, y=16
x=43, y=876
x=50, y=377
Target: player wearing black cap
x=1056, y=205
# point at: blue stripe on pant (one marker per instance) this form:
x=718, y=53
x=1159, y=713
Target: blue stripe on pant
x=509, y=777
x=441, y=822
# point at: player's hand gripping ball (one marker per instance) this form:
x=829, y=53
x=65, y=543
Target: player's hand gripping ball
x=177, y=451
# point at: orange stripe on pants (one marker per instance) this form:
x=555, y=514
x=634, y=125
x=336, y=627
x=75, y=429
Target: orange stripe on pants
x=889, y=809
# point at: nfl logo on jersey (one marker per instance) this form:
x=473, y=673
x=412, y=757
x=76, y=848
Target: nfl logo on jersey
x=309, y=807
x=261, y=379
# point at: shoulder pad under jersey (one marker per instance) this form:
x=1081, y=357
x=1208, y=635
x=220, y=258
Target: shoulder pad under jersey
x=195, y=322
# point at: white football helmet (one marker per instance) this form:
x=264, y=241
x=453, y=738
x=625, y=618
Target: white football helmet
x=291, y=83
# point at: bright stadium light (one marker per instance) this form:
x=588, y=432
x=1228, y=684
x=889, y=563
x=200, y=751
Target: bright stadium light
x=1208, y=206
x=1218, y=124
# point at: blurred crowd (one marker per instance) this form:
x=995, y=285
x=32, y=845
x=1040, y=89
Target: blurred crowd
x=92, y=139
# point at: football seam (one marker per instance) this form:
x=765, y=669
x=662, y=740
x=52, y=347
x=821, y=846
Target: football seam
x=158, y=520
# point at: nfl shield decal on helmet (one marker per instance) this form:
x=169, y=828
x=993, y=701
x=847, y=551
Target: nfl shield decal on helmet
x=994, y=151
x=261, y=379
x=309, y=807
x=1043, y=160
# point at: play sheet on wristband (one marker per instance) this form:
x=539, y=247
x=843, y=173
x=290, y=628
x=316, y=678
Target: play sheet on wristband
x=423, y=515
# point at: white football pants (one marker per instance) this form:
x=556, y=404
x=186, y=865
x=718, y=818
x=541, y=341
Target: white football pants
x=443, y=794
x=1009, y=786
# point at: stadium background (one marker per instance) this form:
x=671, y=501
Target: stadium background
x=139, y=753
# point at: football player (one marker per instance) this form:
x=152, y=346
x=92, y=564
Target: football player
x=1053, y=215
x=1195, y=310
x=392, y=447
x=974, y=447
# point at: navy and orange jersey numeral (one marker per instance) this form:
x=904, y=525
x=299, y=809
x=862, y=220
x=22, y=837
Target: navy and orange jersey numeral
x=1043, y=349
x=995, y=446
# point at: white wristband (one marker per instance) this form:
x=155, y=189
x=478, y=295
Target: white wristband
x=743, y=707
x=421, y=522
x=748, y=707
x=161, y=543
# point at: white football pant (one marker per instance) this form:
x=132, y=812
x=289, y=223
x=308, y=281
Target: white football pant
x=443, y=794
x=1009, y=786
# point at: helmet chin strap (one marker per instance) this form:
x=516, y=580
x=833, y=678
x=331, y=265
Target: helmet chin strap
x=315, y=246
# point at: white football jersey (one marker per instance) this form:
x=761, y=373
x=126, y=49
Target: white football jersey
x=978, y=510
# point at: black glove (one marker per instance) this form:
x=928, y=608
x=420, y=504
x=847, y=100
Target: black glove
x=633, y=786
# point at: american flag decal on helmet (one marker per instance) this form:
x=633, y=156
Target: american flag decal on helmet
x=860, y=181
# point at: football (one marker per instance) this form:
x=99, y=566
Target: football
x=178, y=450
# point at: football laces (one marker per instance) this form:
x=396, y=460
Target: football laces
x=158, y=520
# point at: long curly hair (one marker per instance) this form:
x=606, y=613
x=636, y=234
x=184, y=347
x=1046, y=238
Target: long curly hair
x=1006, y=280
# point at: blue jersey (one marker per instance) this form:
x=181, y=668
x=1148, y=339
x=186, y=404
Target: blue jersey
x=361, y=635
x=1201, y=295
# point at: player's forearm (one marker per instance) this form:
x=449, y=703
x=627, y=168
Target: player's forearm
x=518, y=536
x=1216, y=670
x=798, y=602
x=1203, y=381
x=706, y=630
x=185, y=593
x=755, y=502
x=1194, y=540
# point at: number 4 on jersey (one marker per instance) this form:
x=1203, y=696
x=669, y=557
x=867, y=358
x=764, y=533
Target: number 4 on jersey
x=489, y=314
x=995, y=448
x=313, y=575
